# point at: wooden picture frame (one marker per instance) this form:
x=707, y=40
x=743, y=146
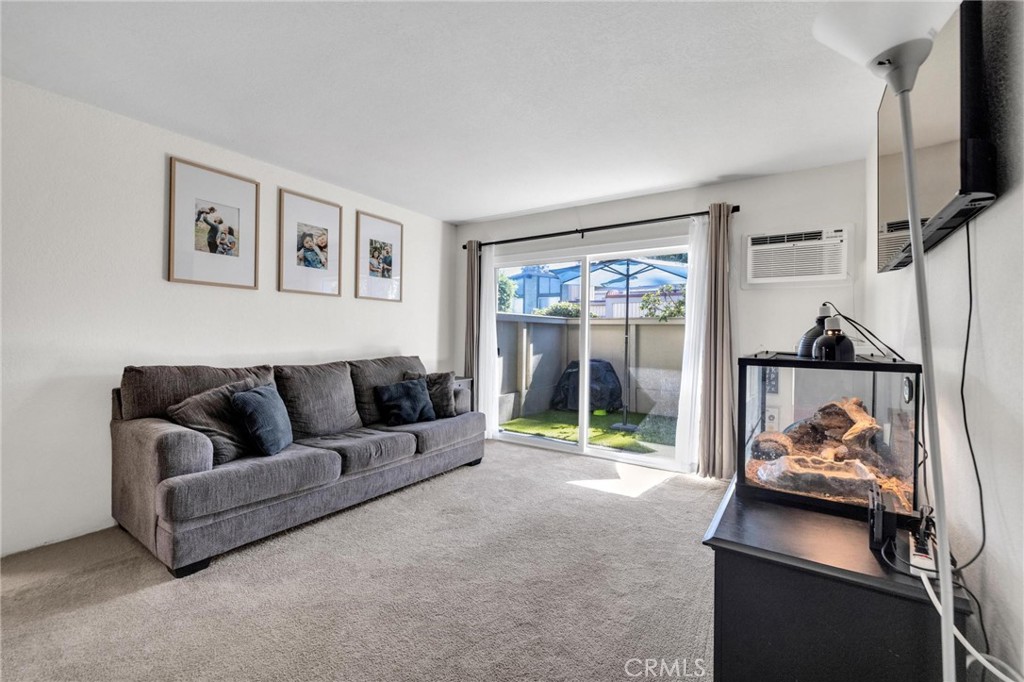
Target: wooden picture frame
x=309, y=244
x=213, y=227
x=379, y=257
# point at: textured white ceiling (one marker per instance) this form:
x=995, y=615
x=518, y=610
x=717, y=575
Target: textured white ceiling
x=467, y=110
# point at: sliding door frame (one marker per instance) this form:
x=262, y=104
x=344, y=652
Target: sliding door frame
x=586, y=254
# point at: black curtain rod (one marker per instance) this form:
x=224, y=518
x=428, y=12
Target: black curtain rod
x=584, y=230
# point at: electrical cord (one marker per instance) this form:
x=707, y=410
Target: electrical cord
x=865, y=336
x=981, y=622
x=963, y=402
x=924, y=471
x=751, y=436
x=962, y=583
x=891, y=543
x=990, y=662
x=864, y=330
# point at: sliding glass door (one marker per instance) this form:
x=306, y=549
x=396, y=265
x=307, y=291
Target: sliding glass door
x=537, y=344
x=636, y=336
x=613, y=322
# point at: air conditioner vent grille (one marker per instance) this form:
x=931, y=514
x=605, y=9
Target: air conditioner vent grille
x=900, y=225
x=808, y=256
x=889, y=245
x=791, y=237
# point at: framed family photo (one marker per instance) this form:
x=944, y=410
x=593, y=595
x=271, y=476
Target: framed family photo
x=378, y=257
x=310, y=244
x=214, y=227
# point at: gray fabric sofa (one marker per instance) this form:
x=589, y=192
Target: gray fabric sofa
x=168, y=494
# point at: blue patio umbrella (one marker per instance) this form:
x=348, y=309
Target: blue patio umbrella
x=624, y=273
x=650, y=279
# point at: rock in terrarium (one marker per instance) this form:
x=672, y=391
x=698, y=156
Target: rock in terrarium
x=834, y=454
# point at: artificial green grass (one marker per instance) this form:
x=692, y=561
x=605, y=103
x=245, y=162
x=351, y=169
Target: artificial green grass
x=563, y=425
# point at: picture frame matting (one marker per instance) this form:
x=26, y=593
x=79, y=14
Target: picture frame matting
x=213, y=226
x=314, y=227
x=379, y=257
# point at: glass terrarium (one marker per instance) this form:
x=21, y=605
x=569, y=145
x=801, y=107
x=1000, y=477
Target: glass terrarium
x=820, y=434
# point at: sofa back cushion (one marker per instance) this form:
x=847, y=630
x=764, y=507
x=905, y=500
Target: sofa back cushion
x=149, y=391
x=212, y=414
x=319, y=398
x=379, y=372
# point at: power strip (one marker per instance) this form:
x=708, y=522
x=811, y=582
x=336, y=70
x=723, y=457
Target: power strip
x=921, y=561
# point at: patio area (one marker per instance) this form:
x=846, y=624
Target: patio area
x=655, y=434
x=636, y=330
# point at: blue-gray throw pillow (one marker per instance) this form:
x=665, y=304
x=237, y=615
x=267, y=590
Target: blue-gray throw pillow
x=406, y=402
x=265, y=417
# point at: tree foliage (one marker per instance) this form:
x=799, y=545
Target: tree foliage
x=506, y=292
x=662, y=303
x=560, y=309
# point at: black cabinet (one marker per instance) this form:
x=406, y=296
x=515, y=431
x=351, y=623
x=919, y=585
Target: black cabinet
x=799, y=596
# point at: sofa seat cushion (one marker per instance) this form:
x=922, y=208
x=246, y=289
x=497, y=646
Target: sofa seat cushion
x=442, y=433
x=245, y=481
x=363, y=448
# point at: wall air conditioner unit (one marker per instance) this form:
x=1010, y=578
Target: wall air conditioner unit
x=894, y=244
x=894, y=235
x=810, y=256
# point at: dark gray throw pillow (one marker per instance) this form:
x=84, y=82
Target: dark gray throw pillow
x=441, y=387
x=210, y=413
x=406, y=402
x=265, y=417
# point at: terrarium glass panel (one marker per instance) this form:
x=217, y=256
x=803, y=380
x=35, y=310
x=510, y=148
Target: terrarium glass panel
x=827, y=433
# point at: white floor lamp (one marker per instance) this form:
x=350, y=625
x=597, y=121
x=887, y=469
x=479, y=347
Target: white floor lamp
x=893, y=40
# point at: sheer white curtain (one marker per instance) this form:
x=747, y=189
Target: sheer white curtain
x=690, y=394
x=706, y=406
x=487, y=387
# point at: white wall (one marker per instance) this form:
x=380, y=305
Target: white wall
x=767, y=318
x=993, y=391
x=994, y=385
x=85, y=199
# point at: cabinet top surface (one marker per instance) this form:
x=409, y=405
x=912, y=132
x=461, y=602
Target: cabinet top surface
x=811, y=541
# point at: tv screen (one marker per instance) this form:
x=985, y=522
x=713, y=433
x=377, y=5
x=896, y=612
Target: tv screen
x=954, y=158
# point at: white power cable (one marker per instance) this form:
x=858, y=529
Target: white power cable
x=992, y=659
x=984, y=659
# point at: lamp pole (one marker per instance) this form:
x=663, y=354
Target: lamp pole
x=893, y=40
x=945, y=568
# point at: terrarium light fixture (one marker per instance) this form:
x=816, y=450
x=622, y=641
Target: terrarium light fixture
x=893, y=39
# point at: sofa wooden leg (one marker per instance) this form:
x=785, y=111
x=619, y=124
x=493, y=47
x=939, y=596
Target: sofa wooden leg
x=183, y=571
x=474, y=462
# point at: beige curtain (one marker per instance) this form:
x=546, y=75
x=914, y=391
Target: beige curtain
x=472, y=311
x=716, y=434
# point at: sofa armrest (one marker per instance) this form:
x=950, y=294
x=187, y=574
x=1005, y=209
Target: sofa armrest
x=161, y=448
x=463, y=400
x=145, y=452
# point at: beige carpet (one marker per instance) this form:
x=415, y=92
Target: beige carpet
x=505, y=571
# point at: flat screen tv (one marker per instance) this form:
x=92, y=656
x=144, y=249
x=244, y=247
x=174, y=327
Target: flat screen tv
x=954, y=153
